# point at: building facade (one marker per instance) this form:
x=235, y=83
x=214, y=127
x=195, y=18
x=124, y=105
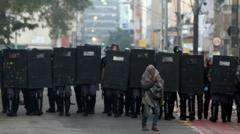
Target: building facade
x=96, y=23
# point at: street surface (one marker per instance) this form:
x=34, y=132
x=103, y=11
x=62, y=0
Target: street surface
x=102, y=124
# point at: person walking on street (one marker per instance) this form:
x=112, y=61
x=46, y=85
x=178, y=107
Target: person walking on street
x=153, y=85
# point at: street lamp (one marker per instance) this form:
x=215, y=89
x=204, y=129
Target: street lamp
x=94, y=39
x=95, y=18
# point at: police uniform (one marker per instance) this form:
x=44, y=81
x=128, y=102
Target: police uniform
x=13, y=101
x=63, y=99
x=4, y=99
x=113, y=98
x=78, y=96
x=51, y=100
x=88, y=92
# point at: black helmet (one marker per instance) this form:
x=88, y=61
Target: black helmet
x=177, y=50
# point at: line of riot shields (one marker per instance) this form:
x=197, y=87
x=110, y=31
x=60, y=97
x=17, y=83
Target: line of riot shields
x=61, y=67
x=68, y=66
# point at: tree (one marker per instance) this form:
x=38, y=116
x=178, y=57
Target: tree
x=60, y=13
x=121, y=37
x=19, y=14
x=15, y=15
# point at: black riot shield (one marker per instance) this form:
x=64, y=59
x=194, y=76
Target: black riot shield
x=1, y=69
x=88, y=64
x=191, y=74
x=223, y=73
x=64, y=61
x=39, y=69
x=15, y=68
x=139, y=59
x=168, y=67
x=116, y=70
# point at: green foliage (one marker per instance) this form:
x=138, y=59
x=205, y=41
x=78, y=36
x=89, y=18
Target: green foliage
x=121, y=37
x=19, y=14
x=60, y=13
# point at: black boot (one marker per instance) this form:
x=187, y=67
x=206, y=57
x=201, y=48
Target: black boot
x=166, y=108
x=183, y=108
x=200, y=106
x=238, y=111
x=10, y=107
x=229, y=110
x=85, y=105
x=191, y=104
x=67, y=105
x=214, y=109
x=51, y=105
x=61, y=106
x=92, y=104
x=134, y=108
x=40, y=106
x=224, y=112
x=4, y=100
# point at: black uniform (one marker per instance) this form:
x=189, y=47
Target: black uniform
x=237, y=94
x=207, y=95
x=192, y=76
x=222, y=75
x=113, y=99
x=136, y=102
x=13, y=101
x=88, y=98
x=52, y=100
x=4, y=99
x=170, y=98
x=63, y=99
x=34, y=101
x=78, y=96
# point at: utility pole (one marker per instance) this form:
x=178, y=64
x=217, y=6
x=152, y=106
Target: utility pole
x=162, y=26
x=165, y=9
x=196, y=11
x=179, y=23
x=235, y=29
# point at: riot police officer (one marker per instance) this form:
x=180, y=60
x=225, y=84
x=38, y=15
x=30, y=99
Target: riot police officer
x=113, y=98
x=193, y=89
x=207, y=86
x=222, y=88
x=184, y=97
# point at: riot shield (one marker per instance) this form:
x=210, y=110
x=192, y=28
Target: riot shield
x=39, y=69
x=191, y=74
x=1, y=69
x=139, y=60
x=88, y=64
x=116, y=70
x=15, y=68
x=64, y=61
x=168, y=67
x=222, y=74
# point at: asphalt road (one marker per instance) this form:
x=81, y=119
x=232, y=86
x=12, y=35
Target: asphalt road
x=102, y=124
x=77, y=124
